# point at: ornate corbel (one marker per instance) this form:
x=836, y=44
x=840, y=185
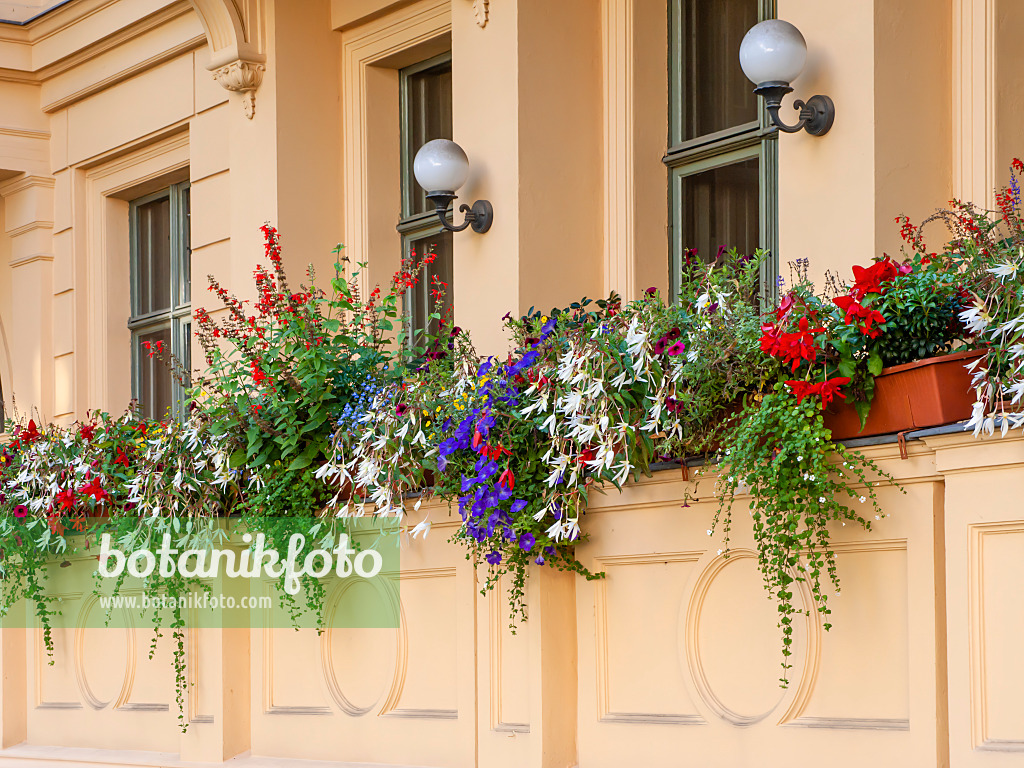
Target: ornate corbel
x=481, y=9
x=244, y=77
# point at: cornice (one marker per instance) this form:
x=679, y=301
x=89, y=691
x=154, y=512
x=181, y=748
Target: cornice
x=26, y=182
x=66, y=17
x=32, y=226
x=125, y=74
x=24, y=133
x=22, y=261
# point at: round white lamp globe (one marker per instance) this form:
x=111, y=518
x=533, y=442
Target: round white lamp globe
x=773, y=51
x=441, y=166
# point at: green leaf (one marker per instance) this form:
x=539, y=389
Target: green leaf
x=874, y=364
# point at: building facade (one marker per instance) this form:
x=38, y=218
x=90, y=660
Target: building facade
x=144, y=142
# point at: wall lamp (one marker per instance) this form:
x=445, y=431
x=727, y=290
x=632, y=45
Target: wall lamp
x=772, y=55
x=441, y=167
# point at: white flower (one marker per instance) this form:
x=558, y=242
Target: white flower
x=975, y=318
x=862, y=499
x=709, y=531
x=635, y=338
x=422, y=527
x=1008, y=269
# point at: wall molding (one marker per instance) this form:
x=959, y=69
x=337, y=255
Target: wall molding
x=974, y=101
x=977, y=533
x=602, y=651
x=619, y=202
x=361, y=48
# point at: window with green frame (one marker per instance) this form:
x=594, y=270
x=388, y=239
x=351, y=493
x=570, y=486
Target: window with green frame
x=426, y=114
x=722, y=156
x=161, y=296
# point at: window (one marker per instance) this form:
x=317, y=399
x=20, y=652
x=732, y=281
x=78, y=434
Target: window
x=426, y=114
x=161, y=294
x=722, y=150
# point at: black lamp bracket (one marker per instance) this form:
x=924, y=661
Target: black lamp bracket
x=478, y=216
x=816, y=114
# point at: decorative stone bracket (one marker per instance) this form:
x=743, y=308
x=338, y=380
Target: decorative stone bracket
x=244, y=77
x=481, y=10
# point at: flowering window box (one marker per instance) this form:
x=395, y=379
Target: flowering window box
x=918, y=395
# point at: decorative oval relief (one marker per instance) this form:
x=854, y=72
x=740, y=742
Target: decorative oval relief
x=360, y=664
x=732, y=642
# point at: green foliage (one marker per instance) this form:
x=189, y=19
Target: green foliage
x=799, y=483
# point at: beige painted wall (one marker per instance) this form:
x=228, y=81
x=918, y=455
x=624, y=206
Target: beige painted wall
x=562, y=109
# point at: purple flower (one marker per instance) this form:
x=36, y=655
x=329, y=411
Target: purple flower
x=651, y=291
x=659, y=346
x=21, y=511
x=493, y=557
x=677, y=349
x=517, y=506
x=539, y=560
x=400, y=409
x=526, y=542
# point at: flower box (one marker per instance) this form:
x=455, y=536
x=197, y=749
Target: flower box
x=918, y=395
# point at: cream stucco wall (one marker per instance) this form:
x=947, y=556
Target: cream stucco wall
x=562, y=107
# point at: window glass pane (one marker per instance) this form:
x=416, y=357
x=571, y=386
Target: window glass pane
x=720, y=207
x=155, y=390
x=153, y=266
x=436, y=276
x=429, y=104
x=715, y=94
x=185, y=263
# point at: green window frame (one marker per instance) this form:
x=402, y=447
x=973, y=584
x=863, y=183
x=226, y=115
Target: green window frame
x=747, y=142
x=424, y=117
x=161, y=297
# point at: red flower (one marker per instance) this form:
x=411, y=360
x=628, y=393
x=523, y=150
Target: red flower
x=827, y=389
x=508, y=479
x=121, y=459
x=30, y=433
x=66, y=498
x=784, y=306
x=870, y=279
x=830, y=388
x=677, y=349
x=21, y=511
x=803, y=389
x=857, y=312
x=258, y=376
x=796, y=347
x=87, y=432
x=95, y=489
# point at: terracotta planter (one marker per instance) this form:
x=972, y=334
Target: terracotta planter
x=926, y=393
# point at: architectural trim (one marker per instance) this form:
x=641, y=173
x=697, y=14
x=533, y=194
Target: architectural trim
x=125, y=74
x=242, y=77
x=974, y=117
x=361, y=48
x=482, y=12
x=234, y=31
x=619, y=203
